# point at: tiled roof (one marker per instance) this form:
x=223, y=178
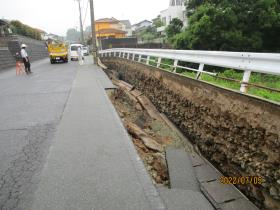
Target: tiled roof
x=137, y=24
x=4, y=22
x=126, y=23
x=110, y=20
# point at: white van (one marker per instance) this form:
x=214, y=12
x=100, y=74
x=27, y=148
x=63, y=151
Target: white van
x=85, y=50
x=73, y=51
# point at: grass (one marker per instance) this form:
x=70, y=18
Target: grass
x=270, y=81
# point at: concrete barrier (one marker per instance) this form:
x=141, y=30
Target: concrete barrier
x=238, y=133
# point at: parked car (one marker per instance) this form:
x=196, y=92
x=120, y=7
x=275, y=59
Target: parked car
x=73, y=51
x=85, y=50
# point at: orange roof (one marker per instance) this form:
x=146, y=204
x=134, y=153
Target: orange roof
x=106, y=20
x=110, y=31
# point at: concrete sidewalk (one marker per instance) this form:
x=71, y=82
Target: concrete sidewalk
x=92, y=163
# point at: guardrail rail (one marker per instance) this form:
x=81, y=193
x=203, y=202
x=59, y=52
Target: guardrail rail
x=267, y=63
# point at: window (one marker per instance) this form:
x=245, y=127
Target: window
x=74, y=48
x=164, y=21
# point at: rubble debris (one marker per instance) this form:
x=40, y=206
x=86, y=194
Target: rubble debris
x=149, y=132
x=145, y=138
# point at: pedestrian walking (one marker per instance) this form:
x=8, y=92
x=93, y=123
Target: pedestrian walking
x=80, y=56
x=25, y=59
x=19, y=64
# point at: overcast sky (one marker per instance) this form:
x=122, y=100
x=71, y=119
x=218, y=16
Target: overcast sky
x=56, y=16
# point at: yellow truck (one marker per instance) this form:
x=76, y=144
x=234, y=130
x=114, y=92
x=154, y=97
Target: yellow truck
x=58, y=52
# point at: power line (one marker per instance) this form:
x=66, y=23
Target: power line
x=85, y=14
x=81, y=24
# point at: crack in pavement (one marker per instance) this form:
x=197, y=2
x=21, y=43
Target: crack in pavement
x=18, y=182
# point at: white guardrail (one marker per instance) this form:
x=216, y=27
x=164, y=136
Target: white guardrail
x=268, y=63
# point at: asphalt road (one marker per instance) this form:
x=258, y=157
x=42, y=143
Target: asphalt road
x=30, y=109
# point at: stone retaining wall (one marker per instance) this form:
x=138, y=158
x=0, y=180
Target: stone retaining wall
x=36, y=49
x=237, y=133
x=6, y=58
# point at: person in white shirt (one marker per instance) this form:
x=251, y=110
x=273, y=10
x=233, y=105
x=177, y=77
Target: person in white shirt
x=80, y=56
x=25, y=59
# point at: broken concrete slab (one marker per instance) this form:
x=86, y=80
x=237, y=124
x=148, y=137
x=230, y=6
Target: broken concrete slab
x=219, y=193
x=240, y=204
x=179, y=199
x=150, y=108
x=181, y=172
x=136, y=93
x=196, y=160
x=206, y=173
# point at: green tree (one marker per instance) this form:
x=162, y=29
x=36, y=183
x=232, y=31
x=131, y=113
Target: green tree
x=157, y=22
x=147, y=34
x=19, y=28
x=235, y=25
x=174, y=27
x=73, y=35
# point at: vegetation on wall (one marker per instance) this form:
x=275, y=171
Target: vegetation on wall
x=19, y=28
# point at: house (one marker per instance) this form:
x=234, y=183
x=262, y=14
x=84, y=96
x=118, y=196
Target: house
x=176, y=9
x=4, y=27
x=48, y=37
x=109, y=28
x=126, y=26
x=42, y=33
x=141, y=25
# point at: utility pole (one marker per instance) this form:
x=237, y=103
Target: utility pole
x=94, y=47
x=81, y=23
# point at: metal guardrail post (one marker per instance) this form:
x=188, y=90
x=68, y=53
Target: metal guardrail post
x=120, y=54
x=127, y=56
x=246, y=79
x=140, y=57
x=148, y=60
x=175, y=65
x=158, y=62
x=200, y=69
x=115, y=53
x=124, y=55
x=133, y=56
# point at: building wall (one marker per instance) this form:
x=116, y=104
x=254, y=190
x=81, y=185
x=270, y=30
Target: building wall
x=107, y=25
x=141, y=25
x=176, y=9
x=173, y=12
x=99, y=26
x=127, y=30
x=112, y=35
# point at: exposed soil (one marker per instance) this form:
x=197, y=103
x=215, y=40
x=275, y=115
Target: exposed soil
x=237, y=133
x=149, y=135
